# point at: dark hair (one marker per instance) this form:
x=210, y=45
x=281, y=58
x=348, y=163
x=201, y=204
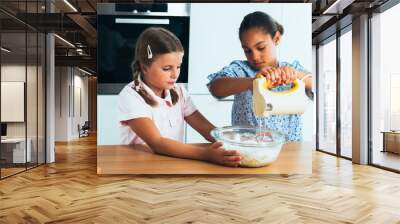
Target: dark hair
x=260, y=20
x=159, y=41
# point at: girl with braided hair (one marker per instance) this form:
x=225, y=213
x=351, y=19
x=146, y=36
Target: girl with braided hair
x=153, y=109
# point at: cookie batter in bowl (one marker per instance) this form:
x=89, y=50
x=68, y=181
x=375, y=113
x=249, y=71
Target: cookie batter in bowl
x=257, y=146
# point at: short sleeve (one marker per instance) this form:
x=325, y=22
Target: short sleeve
x=131, y=105
x=188, y=106
x=296, y=65
x=234, y=70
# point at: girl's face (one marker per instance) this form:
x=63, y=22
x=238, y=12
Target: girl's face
x=163, y=72
x=259, y=47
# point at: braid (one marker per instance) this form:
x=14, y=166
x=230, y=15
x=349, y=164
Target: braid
x=139, y=89
x=174, y=96
x=147, y=97
x=136, y=72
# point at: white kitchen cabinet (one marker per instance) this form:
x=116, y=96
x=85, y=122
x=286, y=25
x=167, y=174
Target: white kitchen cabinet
x=107, y=120
x=217, y=112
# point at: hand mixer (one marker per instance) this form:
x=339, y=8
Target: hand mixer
x=268, y=102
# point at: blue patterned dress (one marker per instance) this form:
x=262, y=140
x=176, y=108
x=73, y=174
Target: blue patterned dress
x=242, y=109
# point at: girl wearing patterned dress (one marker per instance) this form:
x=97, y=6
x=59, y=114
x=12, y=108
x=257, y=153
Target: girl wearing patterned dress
x=153, y=109
x=260, y=35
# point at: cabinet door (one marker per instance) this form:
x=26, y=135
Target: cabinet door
x=218, y=112
x=214, y=38
x=107, y=120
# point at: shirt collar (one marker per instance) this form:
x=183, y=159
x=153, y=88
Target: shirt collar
x=167, y=94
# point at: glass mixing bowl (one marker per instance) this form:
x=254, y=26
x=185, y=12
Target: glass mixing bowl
x=257, y=146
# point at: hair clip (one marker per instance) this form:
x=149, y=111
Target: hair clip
x=149, y=53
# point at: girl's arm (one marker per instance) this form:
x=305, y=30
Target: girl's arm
x=197, y=121
x=147, y=130
x=226, y=86
x=307, y=80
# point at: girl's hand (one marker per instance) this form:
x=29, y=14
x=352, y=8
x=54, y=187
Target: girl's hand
x=279, y=76
x=288, y=75
x=217, y=154
x=273, y=75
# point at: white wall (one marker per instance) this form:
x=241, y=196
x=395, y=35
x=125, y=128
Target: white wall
x=70, y=84
x=61, y=103
x=80, y=102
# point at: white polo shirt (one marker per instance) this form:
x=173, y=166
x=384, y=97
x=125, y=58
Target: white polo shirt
x=168, y=118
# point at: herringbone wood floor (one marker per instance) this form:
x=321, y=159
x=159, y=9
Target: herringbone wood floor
x=69, y=191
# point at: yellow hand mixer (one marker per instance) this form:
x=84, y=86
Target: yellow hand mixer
x=268, y=102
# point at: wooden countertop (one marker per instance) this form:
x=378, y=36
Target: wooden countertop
x=294, y=158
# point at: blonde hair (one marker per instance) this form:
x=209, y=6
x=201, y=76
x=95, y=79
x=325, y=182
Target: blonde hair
x=152, y=42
